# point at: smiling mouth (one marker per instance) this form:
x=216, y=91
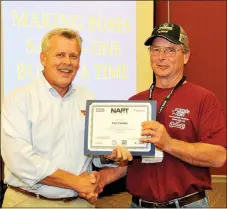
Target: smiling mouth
x=65, y=70
x=163, y=66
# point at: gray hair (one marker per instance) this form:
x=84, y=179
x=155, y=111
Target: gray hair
x=184, y=40
x=65, y=32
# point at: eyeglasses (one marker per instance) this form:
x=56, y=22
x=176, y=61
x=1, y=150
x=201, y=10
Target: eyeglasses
x=168, y=51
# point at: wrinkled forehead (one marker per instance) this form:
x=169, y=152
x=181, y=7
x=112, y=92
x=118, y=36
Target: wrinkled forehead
x=160, y=41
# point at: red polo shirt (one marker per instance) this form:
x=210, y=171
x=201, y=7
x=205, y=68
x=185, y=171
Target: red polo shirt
x=192, y=114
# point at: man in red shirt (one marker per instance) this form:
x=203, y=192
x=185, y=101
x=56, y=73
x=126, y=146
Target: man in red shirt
x=190, y=130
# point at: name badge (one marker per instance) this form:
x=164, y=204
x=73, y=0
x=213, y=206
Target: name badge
x=157, y=158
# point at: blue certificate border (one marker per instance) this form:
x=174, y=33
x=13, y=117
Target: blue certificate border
x=87, y=151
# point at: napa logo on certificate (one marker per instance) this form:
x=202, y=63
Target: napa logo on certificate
x=117, y=122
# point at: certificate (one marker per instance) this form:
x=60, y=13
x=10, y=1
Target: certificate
x=110, y=123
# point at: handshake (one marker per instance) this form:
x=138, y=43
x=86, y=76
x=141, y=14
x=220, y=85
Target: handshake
x=92, y=184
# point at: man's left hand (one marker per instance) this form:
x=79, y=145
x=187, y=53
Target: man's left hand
x=159, y=136
x=120, y=154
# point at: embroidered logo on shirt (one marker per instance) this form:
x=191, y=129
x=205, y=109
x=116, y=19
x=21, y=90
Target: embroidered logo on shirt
x=83, y=112
x=178, y=118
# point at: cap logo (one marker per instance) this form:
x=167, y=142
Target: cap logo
x=167, y=24
x=164, y=29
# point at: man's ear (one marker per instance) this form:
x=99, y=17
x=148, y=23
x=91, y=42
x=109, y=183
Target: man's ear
x=186, y=57
x=43, y=59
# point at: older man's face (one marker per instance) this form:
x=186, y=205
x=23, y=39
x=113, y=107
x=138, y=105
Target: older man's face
x=167, y=58
x=61, y=62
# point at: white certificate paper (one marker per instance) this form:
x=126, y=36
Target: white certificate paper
x=111, y=123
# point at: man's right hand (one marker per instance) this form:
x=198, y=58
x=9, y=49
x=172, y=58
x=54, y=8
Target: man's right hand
x=87, y=182
x=94, y=178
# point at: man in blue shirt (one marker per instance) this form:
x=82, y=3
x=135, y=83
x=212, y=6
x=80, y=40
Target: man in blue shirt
x=43, y=133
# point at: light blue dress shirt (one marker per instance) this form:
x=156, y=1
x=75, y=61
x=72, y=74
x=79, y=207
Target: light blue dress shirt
x=43, y=132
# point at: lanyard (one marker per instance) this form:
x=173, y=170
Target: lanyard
x=168, y=96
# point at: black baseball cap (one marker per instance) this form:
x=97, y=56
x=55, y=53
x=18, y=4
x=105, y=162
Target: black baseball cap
x=172, y=32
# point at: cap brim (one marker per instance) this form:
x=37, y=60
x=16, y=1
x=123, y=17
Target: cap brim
x=149, y=41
